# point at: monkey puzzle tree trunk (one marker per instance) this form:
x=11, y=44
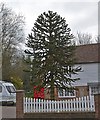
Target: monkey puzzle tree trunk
x=52, y=96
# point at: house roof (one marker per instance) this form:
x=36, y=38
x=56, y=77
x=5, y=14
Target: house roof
x=88, y=53
x=93, y=84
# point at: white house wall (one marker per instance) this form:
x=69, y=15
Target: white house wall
x=90, y=73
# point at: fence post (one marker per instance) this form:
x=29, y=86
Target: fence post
x=19, y=104
x=97, y=105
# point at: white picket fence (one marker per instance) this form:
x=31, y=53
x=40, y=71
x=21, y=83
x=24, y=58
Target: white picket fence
x=40, y=105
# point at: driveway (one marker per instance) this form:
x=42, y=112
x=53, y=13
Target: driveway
x=8, y=111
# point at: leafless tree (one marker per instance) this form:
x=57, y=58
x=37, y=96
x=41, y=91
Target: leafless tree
x=11, y=36
x=83, y=38
x=97, y=39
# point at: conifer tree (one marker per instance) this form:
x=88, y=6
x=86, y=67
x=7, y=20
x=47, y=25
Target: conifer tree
x=51, y=52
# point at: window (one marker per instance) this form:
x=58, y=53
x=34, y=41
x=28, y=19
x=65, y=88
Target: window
x=66, y=93
x=95, y=89
x=11, y=89
x=0, y=89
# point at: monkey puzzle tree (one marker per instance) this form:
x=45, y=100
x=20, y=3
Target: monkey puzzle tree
x=51, y=52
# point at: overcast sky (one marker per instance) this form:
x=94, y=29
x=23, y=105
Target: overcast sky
x=81, y=16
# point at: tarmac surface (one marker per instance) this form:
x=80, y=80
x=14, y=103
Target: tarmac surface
x=7, y=112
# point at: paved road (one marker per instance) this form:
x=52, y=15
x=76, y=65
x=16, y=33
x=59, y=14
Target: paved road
x=8, y=111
